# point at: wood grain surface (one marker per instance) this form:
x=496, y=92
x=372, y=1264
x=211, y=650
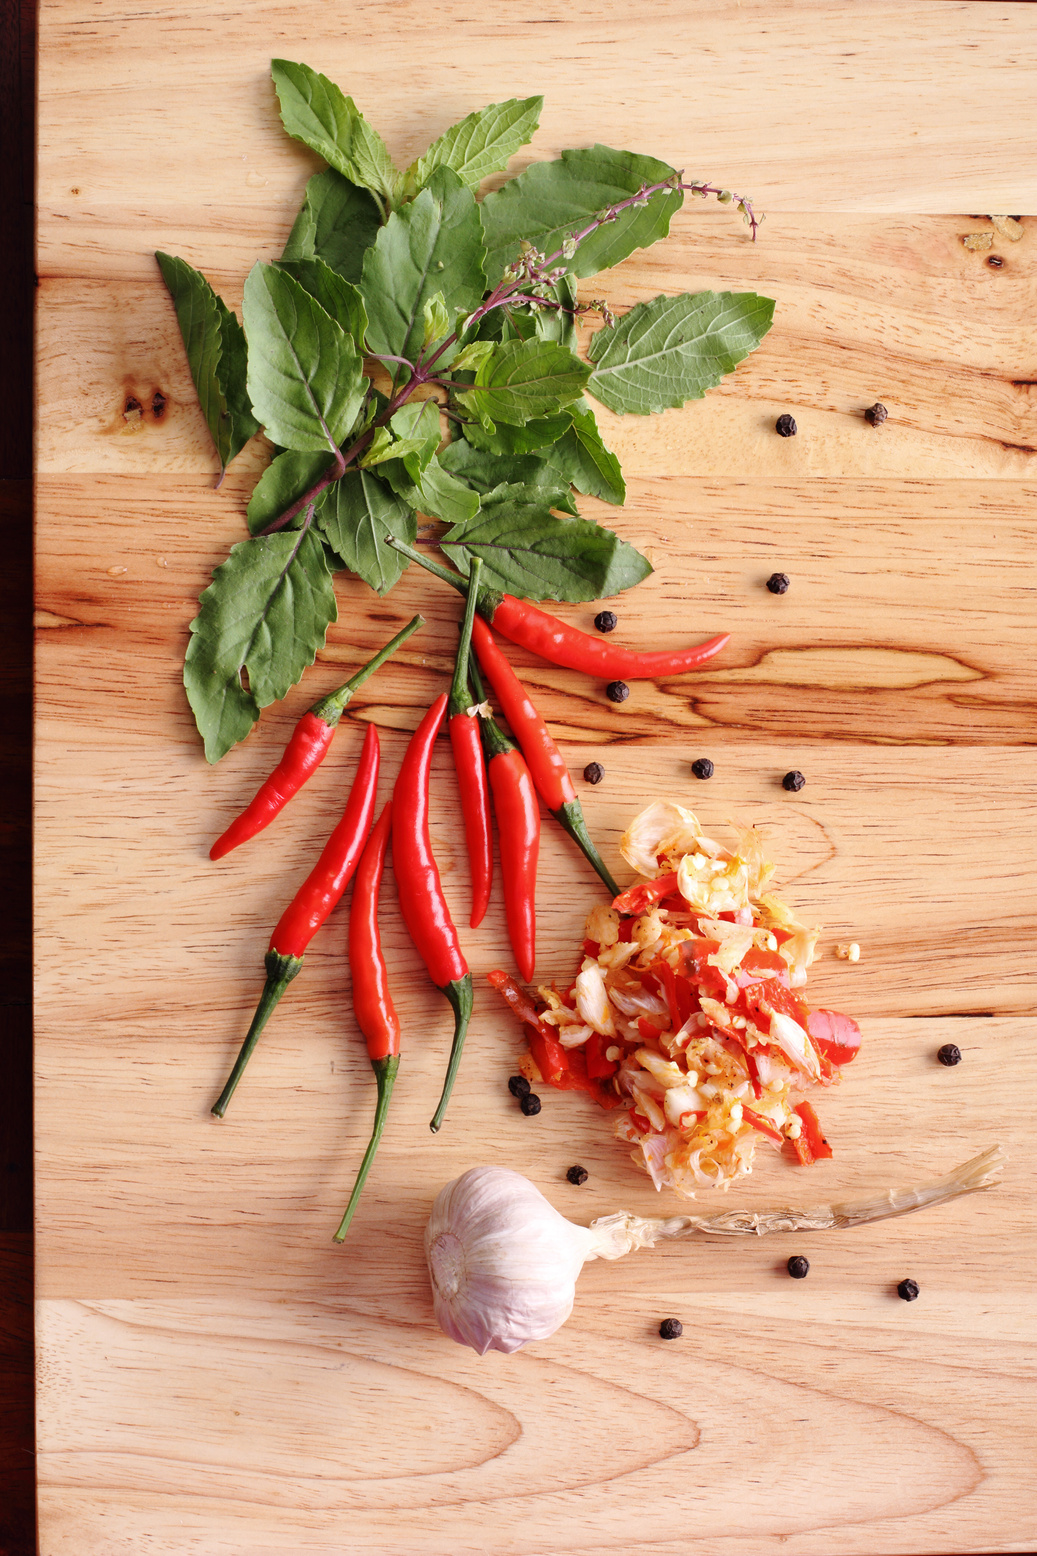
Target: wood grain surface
x=215, y=1377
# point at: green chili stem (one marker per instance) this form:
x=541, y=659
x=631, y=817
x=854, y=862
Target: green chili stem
x=459, y=993
x=331, y=707
x=385, y=1075
x=460, y=701
x=280, y=970
x=571, y=818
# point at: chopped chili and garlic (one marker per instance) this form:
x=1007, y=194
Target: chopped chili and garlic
x=687, y=1011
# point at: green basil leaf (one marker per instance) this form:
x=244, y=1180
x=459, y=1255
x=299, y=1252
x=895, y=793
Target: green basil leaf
x=432, y=245
x=485, y=472
x=266, y=613
x=470, y=356
x=532, y=553
x=337, y=296
x=358, y=515
x=524, y=380
x=304, y=372
x=534, y=435
x=435, y=492
x=591, y=467
x=286, y=478
x=672, y=349
x=435, y=319
x=337, y=223
x=316, y=111
x=418, y=420
x=384, y=446
x=481, y=144
x=551, y=200
x=216, y=355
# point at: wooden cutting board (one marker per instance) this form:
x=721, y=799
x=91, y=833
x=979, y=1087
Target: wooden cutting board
x=215, y=1376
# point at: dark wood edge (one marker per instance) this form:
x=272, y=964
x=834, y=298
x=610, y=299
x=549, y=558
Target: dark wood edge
x=17, y=286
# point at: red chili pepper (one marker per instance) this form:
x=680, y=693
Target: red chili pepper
x=561, y=644
x=372, y=1003
x=836, y=1037
x=304, y=752
x=312, y=903
x=764, y=1125
x=518, y=834
x=811, y=1145
x=549, y=771
x=470, y=764
x=420, y=890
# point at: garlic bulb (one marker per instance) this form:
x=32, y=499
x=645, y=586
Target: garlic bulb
x=504, y=1262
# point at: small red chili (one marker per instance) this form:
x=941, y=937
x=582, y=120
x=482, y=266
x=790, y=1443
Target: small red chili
x=315, y=899
x=558, y=643
x=470, y=765
x=304, y=752
x=420, y=890
x=518, y=833
x=372, y=1003
x=550, y=774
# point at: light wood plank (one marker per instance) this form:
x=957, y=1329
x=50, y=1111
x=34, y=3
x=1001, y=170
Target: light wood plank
x=822, y=1411
x=147, y=139
x=912, y=615
x=865, y=310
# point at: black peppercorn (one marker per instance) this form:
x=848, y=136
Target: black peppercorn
x=671, y=1329
x=907, y=1291
x=949, y=1054
x=703, y=767
x=876, y=414
x=605, y=621
x=617, y=691
x=594, y=772
x=995, y=261
x=778, y=583
x=798, y=1267
x=577, y=1175
x=530, y=1104
x=519, y=1086
x=793, y=781
x=785, y=427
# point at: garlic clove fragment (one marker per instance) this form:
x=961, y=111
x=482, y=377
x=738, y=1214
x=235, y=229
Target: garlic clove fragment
x=503, y=1261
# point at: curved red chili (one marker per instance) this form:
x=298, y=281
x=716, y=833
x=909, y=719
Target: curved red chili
x=420, y=890
x=375, y=1013
x=546, y=763
x=470, y=765
x=305, y=751
x=518, y=833
x=560, y=644
x=312, y=903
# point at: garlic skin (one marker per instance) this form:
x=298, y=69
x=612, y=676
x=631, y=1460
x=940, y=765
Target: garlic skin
x=503, y=1261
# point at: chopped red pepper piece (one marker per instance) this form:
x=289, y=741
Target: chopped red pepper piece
x=645, y=895
x=639, y=1121
x=835, y=1036
x=811, y=1145
x=598, y=1065
x=764, y=1125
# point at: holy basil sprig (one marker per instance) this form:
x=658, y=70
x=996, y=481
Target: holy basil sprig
x=468, y=310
